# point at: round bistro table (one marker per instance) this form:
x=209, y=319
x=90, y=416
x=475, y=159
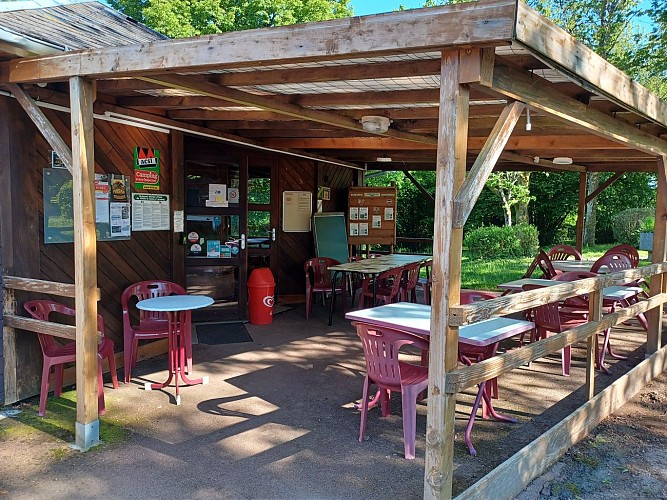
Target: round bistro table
x=178, y=308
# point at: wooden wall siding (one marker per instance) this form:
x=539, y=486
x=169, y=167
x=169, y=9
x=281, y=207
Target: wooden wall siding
x=147, y=255
x=2, y=324
x=294, y=248
x=20, y=154
x=339, y=179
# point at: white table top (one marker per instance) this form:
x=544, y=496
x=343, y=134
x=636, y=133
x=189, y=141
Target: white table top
x=576, y=265
x=174, y=303
x=618, y=292
x=416, y=318
x=379, y=265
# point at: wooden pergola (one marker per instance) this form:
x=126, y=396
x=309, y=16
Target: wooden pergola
x=456, y=81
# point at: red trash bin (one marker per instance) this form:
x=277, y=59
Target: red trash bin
x=261, y=286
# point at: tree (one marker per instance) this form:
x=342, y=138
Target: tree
x=185, y=18
x=512, y=188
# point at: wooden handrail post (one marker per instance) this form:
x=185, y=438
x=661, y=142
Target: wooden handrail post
x=594, y=314
x=9, y=347
x=654, y=316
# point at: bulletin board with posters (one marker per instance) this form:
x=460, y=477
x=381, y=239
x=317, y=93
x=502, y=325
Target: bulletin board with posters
x=371, y=216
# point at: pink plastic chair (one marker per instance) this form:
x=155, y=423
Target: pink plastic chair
x=386, y=289
x=629, y=251
x=426, y=283
x=383, y=367
x=318, y=280
x=408, y=286
x=55, y=354
x=152, y=325
x=563, y=252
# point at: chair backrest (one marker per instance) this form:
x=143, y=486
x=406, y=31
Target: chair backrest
x=317, y=273
x=545, y=315
x=542, y=261
x=381, y=346
x=578, y=302
x=410, y=276
x=563, y=252
x=613, y=261
x=629, y=251
x=43, y=310
x=148, y=290
x=470, y=296
x=390, y=281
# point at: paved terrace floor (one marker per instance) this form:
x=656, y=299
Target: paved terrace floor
x=277, y=421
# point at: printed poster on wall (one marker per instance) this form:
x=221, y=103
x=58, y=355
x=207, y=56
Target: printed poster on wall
x=150, y=212
x=146, y=168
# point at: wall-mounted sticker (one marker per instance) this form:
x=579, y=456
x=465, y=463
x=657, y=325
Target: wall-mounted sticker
x=146, y=168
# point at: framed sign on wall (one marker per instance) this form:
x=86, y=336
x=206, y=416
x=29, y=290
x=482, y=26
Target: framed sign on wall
x=297, y=211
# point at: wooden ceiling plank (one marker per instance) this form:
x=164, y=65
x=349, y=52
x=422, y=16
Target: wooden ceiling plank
x=530, y=160
x=268, y=103
x=572, y=56
x=488, y=156
x=43, y=125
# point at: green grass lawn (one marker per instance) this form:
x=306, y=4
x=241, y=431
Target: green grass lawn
x=486, y=274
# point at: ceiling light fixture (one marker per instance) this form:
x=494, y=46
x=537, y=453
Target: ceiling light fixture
x=383, y=159
x=562, y=160
x=529, y=125
x=375, y=124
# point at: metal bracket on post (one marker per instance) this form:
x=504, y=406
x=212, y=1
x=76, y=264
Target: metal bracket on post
x=87, y=435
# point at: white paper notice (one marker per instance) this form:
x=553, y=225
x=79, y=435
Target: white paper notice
x=354, y=213
x=120, y=219
x=388, y=213
x=377, y=222
x=178, y=221
x=363, y=213
x=217, y=195
x=102, y=198
x=150, y=212
x=363, y=229
x=354, y=229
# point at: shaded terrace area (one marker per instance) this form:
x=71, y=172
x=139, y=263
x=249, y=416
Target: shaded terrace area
x=277, y=420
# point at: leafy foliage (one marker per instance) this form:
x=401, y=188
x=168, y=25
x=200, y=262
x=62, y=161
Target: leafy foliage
x=185, y=18
x=507, y=241
x=628, y=223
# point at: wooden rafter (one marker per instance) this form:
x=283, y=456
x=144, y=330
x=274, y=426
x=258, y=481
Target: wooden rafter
x=539, y=93
x=268, y=103
x=485, y=23
x=43, y=125
x=603, y=186
x=428, y=196
x=546, y=164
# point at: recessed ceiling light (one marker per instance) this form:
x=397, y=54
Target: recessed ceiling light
x=383, y=159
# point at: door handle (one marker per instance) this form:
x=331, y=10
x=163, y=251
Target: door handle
x=243, y=242
x=273, y=234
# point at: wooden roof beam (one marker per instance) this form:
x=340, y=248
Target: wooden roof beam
x=419, y=30
x=267, y=103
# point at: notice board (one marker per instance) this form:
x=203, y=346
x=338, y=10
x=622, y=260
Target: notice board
x=297, y=209
x=330, y=233
x=371, y=216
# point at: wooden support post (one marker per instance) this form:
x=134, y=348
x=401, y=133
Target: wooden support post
x=447, y=245
x=581, y=212
x=9, y=347
x=85, y=262
x=594, y=314
x=658, y=282
x=178, y=203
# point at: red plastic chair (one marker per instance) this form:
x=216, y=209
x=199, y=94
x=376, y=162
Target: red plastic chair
x=548, y=319
x=318, y=280
x=614, y=262
x=386, y=290
x=409, y=279
x=563, y=252
x=426, y=283
x=55, y=354
x=629, y=251
x=152, y=325
x=383, y=367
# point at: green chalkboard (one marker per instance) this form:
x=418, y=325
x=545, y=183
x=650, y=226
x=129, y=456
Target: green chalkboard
x=330, y=233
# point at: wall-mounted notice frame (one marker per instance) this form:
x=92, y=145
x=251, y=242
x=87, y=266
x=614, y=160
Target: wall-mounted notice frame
x=371, y=216
x=112, y=219
x=150, y=212
x=297, y=211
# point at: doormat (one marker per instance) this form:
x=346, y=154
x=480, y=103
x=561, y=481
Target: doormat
x=222, y=333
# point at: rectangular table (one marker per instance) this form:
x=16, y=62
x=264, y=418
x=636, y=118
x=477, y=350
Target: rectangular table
x=577, y=265
x=616, y=292
x=485, y=335
x=373, y=267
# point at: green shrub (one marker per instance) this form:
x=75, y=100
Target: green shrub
x=648, y=225
x=492, y=241
x=627, y=224
x=528, y=239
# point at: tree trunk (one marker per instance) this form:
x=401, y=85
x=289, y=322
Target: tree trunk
x=592, y=183
x=507, y=209
x=521, y=207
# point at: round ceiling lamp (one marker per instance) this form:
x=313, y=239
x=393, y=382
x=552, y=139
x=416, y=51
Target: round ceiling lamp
x=562, y=160
x=375, y=124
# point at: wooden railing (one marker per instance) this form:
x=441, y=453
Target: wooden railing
x=532, y=460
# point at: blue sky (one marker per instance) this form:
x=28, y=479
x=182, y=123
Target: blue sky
x=364, y=7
